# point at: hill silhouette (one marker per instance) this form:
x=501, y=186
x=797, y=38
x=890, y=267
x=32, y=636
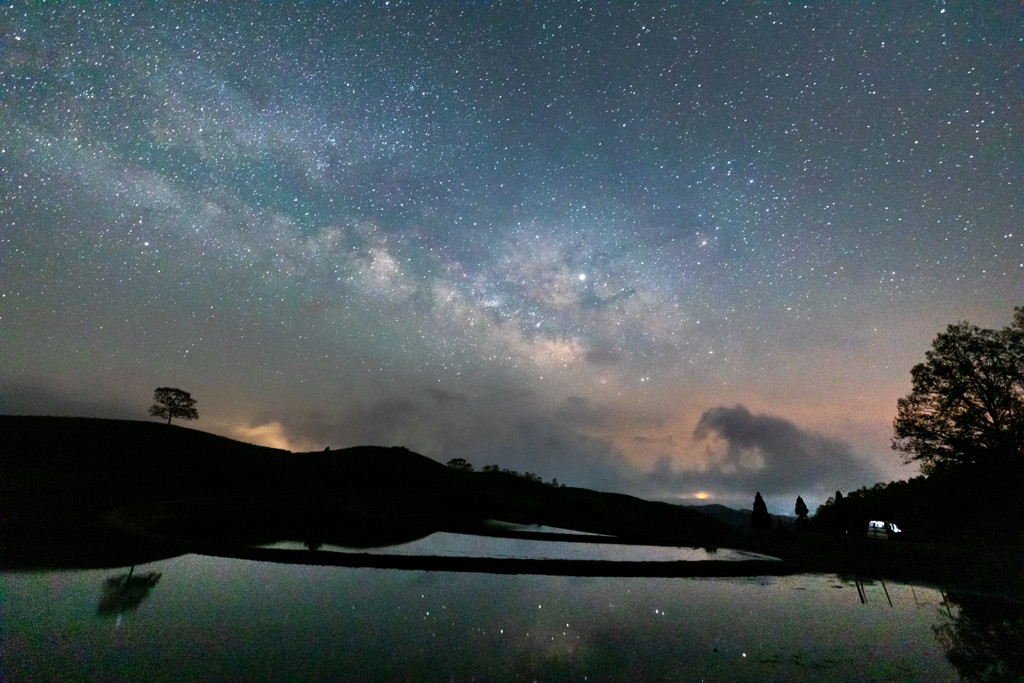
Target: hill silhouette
x=62, y=476
x=81, y=493
x=736, y=519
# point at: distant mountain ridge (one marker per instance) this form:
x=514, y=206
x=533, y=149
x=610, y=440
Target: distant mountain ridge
x=737, y=519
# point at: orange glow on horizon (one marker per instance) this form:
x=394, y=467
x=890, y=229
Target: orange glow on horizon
x=270, y=434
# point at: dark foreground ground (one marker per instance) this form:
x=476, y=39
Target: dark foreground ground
x=85, y=493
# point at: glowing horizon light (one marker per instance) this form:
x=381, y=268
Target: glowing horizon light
x=702, y=495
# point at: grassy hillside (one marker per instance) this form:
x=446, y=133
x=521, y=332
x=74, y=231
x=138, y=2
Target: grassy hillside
x=58, y=476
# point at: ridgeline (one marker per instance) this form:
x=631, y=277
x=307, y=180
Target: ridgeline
x=61, y=478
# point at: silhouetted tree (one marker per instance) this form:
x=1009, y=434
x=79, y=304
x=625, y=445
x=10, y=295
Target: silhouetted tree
x=760, y=520
x=460, y=464
x=839, y=514
x=967, y=403
x=822, y=519
x=801, y=511
x=169, y=402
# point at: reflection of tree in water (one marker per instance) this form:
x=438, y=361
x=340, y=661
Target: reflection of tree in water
x=985, y=641
x=125, y=592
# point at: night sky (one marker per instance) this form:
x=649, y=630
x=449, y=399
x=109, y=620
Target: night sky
x=657, y=250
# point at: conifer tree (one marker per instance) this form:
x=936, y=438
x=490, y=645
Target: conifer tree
x=760, y=520
x=801, y=509
x=839, y=514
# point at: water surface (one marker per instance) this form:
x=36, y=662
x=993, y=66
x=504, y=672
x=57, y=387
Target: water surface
x=215, y=619
x=449, y=544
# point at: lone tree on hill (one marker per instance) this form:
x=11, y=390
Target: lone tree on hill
x=460, y=464
x=967, y=403
x=170, y=402
x=760, y=520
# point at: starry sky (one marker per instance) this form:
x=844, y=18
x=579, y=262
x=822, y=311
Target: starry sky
x=684, y=252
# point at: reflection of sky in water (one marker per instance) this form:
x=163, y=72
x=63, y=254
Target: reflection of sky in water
x=212, y=619
x=535, y=528
x=468, y=545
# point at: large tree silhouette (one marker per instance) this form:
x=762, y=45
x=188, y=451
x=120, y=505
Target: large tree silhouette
x=170, y=402
x=967, y=403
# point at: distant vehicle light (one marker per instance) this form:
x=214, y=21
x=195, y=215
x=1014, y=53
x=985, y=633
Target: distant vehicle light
x=881, y=529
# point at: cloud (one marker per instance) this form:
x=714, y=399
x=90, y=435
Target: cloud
x=732, y=452
x=269, y=434
x=579, y=411
x=739, y=453
x=505, y=427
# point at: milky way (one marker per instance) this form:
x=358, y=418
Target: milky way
x=648, y=249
